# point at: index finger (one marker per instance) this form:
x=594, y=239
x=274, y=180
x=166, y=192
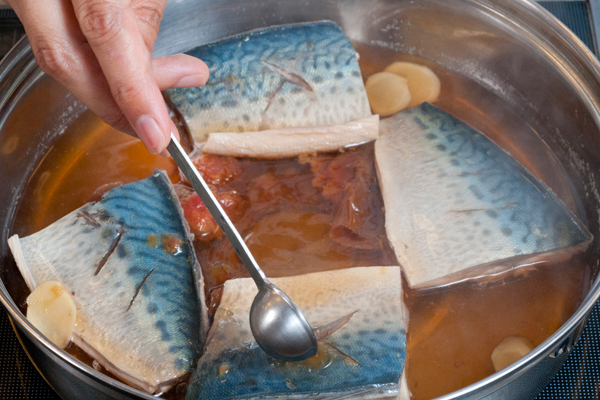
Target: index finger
x=111, y=30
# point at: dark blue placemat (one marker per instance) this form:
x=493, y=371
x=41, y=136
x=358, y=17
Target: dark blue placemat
x=576, y=16
x=579, y=378
x=18, y=377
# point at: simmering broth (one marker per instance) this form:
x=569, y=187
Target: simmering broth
x=451, y=331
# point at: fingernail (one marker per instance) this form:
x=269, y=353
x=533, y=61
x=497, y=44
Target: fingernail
x=165, y=153
x=150, y=133
x=191, y=81
x=175, y=132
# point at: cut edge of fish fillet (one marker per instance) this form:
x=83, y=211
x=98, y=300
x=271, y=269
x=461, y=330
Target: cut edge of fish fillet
x=129, y=379
x=291, y=142
x=14, y=244
x=405, y=393
x=383, y=391
x=198, y=276
x=499, y=269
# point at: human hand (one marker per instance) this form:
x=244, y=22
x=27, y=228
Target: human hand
x=101, y=51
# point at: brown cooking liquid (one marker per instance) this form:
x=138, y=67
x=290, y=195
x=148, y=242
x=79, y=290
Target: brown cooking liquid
x=452, y=331
x=297, y=215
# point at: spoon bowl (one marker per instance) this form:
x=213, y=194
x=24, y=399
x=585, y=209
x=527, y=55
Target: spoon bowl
x=279, y=326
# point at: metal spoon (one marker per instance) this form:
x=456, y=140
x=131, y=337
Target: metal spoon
x=278, y=325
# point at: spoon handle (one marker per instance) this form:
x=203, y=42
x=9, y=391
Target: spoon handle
x=213, y=206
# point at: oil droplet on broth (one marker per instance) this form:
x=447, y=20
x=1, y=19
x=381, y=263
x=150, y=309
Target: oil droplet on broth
x=171, y=244
x=319, y=361
x=152, y=241
x=223, y=370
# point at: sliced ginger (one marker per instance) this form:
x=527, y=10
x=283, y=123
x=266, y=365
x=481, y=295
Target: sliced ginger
x=423, y=83
x=388, y=93
x=509, y=350
x=50, y=308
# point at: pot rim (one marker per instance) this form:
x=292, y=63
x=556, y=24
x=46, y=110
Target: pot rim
x=22, y=52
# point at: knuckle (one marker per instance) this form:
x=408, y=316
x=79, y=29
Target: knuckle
x=127, y=93
x=53, y=59
x=116, y=119
x=150, y=12
x=99, y=21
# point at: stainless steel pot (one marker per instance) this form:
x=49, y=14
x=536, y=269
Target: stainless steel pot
x=514, y=53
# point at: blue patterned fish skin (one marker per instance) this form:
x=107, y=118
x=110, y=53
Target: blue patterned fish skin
x=498, y=179
x=253, y=374
x=140, y=302
x=363, y=357
x=455, y=200
x=169, y=293
x=294, y=75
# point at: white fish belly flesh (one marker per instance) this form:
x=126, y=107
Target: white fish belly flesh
x=290, y=142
